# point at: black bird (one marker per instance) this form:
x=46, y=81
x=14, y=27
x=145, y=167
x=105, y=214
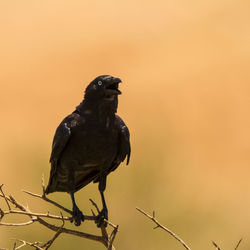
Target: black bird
x=89, y=144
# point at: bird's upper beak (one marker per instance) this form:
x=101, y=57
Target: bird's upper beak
x=116, y=80
x=112, y=88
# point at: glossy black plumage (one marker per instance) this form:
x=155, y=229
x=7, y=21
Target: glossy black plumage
x=89, y=143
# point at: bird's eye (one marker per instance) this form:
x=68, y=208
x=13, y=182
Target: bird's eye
x=100, y=83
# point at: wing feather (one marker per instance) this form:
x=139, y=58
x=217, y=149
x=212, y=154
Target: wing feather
x=61, y=138
x=124, y=148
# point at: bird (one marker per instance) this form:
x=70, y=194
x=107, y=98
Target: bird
x=89, y=144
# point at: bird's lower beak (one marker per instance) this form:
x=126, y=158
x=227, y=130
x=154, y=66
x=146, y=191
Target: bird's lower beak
x=113, y=92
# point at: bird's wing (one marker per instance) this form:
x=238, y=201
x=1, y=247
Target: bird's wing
x=61, y=138
x=124, y=148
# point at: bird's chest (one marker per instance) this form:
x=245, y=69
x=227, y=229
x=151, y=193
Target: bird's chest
x=96, y=140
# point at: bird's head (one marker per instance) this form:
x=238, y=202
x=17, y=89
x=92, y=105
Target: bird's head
x=104, y=87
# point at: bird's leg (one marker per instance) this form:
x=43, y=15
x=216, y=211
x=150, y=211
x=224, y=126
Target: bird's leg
x=103, y=215
x=78, y=216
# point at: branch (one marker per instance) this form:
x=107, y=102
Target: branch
x=50, y=242
x=112, y=236
x=17, y=224
x=43, y=197
x=238, y=244
x=106, y=239
x=37, y=214
x=216, y=246
x=6, y=200
x=164, y=228
x=26, y=243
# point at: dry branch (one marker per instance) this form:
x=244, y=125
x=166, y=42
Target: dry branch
x=216, y=246
x=26, y=243
x=164, y=228
x=238, y=244
x=158, y=225
x=104, y=238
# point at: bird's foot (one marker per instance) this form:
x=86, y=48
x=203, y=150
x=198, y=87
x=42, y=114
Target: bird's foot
x=102, y=217
x=77, y=216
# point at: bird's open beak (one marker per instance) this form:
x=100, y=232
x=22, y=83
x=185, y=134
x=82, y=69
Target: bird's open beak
x=112, y=88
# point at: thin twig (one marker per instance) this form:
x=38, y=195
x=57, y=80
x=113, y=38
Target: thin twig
x=87, y=217
x=164, y=228
x=95, y=205
x=216, y=246
x=48, y=200
x=17, y=224
x=1, y=189
x=98, y=210
x=26, y=243
x=50, y=242
x=1, y=215
x=43, y=185
x=111, y=224
x=112, y=237
x=14, y=247
x=72, y=232
x=238, y=244
x=37, y=214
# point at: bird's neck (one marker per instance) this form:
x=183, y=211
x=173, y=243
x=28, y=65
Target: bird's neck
x=101, y=109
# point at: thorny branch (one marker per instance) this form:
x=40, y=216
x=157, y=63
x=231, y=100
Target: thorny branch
x=164, y=228
x=238, y=244
x=158, y=225
x=218, y=248
x=106, y=239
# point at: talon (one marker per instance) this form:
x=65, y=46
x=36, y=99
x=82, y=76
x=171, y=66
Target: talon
x=77, y=217
x=101, y=217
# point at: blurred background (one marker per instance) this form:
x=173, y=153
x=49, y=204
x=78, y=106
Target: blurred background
x=185, y=72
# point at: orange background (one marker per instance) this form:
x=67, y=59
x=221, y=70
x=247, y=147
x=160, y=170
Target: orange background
x=185, y=72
